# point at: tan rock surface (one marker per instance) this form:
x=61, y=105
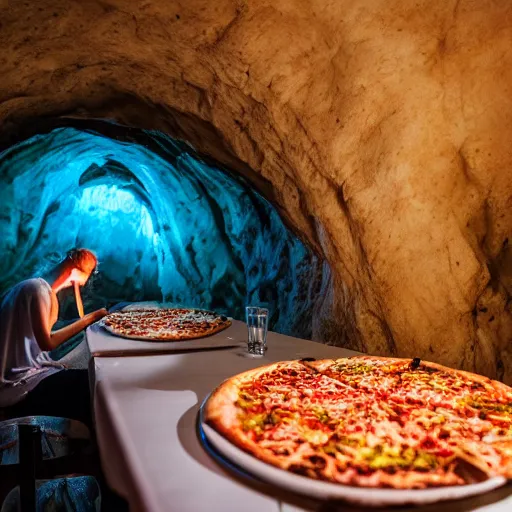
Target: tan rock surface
x=382, y=129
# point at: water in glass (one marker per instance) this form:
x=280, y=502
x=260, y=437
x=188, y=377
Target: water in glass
x=257, y=326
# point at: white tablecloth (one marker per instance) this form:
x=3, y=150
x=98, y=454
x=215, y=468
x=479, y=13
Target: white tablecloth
x=146, y=414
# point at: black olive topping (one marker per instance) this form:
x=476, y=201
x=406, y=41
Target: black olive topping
x=415, y=363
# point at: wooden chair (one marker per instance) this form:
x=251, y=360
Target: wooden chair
x=34, y=449
x=60, y=437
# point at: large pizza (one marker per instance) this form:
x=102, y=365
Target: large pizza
x=165, y=324
x=368, y=421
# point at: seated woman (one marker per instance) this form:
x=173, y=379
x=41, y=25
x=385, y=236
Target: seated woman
x=31, y=383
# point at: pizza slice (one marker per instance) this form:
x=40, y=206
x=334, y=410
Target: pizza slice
x=261, y=410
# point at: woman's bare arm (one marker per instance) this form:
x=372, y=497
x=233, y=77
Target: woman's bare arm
x=78, y=300
x=48, y=340
x=64, y=334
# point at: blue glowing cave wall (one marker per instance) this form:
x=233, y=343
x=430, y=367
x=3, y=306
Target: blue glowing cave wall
x=165, y=226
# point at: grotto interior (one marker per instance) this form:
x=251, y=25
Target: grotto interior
x=364, y=145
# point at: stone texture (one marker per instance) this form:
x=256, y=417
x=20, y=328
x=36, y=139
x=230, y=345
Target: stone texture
x=381, y=129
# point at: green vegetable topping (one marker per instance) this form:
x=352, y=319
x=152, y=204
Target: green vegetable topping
x=255, y=422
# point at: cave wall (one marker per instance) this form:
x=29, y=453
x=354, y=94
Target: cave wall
x=380, y=129
x=165, y=226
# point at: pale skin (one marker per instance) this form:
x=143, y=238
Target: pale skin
x=62, y=276
x=78, y=299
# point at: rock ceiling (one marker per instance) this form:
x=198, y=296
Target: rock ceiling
x=381, y=130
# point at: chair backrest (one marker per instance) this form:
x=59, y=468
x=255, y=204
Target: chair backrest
x=58, y=437
x=30, y=459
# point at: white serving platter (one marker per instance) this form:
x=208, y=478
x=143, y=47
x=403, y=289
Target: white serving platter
x=364, y=496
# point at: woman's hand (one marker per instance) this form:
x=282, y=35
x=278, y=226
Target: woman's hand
x=99, y=314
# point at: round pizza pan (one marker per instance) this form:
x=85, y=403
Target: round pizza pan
x=365, y=496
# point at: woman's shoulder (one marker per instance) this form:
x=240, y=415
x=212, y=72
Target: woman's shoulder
x=34, y=285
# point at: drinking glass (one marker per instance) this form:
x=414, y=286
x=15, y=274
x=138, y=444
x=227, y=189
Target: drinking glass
x=257, y=326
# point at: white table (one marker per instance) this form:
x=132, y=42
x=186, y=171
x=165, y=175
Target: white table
x=146, y=413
